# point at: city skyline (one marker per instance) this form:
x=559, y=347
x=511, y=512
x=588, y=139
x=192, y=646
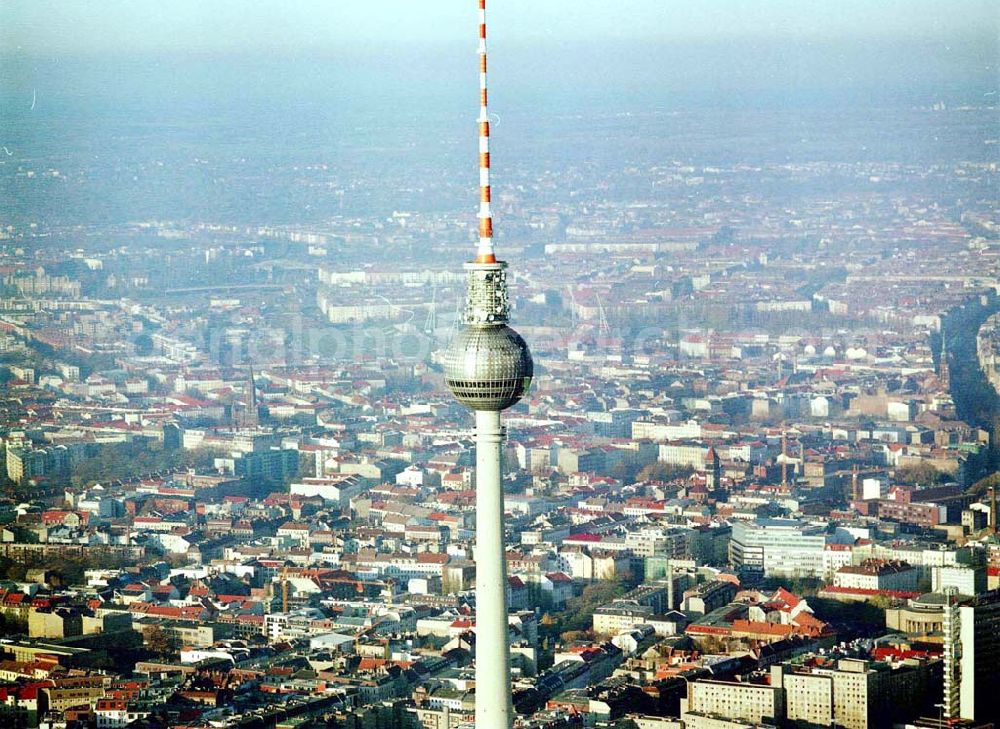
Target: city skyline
x=273, y=455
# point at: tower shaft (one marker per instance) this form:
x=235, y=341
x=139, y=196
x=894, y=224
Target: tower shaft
x=493, y=695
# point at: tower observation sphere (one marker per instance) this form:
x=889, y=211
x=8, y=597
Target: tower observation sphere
x=488, y=365
x=488, y=368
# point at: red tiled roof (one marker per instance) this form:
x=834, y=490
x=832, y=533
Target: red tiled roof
x=901, y=594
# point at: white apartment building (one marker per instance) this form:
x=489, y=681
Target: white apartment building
x=877, y=575
x=778, y=548
x=756, y=703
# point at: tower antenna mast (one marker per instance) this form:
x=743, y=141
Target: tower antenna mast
x=485, y=252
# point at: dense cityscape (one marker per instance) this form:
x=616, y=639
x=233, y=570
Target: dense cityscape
x=753, y=482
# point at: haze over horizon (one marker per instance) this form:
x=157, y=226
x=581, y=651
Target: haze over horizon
x=413, y=51
x=44, y=26
x=352, y=84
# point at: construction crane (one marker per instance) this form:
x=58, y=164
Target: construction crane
x=284, y=589
x=784, y=459
x=603, y=328
x=856, y=491
x=993, y=509
x=573, y=315
x=430, y=324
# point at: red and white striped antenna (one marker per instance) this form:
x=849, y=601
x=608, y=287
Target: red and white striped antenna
x=485, y=252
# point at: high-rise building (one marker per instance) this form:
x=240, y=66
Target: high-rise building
x=817, y=692
x=488, y=368
x=743, y=702
x=24, y=463
x=856, y=694
x=777, y=548
x=971, y=646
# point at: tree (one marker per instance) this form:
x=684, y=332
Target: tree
x=307, y=464
x=144, y=344
x=160, y=641
x=660, y=471
x=68, y=568
x=920, y=474
x=625, y=471
x=114, y=461
x=801, y=586
x=580, y=610
x=983, y=485
x=16, y=571
x=11, y=625
x=882, y=602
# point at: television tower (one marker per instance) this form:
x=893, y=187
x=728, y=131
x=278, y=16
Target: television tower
x=488, y=368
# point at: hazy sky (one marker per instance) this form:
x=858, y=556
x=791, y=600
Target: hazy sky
x=56, y=55
x=373, y=85
x=43, y=27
